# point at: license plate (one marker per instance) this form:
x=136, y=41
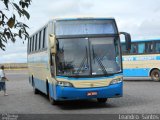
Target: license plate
x=91, y=93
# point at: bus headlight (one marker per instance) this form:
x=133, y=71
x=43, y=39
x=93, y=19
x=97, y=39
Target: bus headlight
x=64, y=84
x=115, y=81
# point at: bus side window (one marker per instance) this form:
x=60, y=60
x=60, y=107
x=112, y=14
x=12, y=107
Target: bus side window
x=30, y=44
x=41, y=41
x=33, y=43
x=44, y=38
x=124, y=49
x=141, y=48
x=133, y=48
x=39, y=45
x=157, y=47
x=149, y=47
x=36, y=42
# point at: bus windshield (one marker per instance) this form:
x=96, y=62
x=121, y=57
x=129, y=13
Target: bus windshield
x=88, y=56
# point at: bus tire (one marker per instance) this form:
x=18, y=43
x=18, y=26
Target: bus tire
x=102, y=100
x=155, y=75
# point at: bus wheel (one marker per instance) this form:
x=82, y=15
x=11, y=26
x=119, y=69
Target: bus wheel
x=102, y=100
x=52, y=101
x=155, y=75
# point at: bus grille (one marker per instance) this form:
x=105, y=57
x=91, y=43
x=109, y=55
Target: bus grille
x=91, y=84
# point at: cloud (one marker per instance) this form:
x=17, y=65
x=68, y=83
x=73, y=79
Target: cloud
x=148, y=29
x=68, y=7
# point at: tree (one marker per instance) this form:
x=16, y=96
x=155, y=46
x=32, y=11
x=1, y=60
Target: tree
x=10, y=26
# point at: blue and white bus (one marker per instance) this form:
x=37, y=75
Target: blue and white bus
x=143, y=60
x=77, y=58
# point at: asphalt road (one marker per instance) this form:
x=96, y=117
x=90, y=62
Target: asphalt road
x=139, y=97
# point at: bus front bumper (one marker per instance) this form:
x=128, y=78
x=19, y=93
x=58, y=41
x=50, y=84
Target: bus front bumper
x=71, y=93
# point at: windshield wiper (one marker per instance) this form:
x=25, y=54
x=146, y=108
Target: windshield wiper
x=99, y=62
x=83, y=62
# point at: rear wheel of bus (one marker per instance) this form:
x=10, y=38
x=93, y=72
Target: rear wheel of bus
x=155, y=75
x=102, y=100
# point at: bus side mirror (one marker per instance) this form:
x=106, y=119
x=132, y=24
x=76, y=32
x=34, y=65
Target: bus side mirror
x=127, y=40
x=52, y=40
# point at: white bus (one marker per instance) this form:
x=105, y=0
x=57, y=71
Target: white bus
x=77, y=58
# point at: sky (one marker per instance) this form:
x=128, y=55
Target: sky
x=140, y=18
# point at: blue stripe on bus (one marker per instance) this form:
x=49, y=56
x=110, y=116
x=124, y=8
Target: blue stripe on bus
x=136, y=72
x=94, y=78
